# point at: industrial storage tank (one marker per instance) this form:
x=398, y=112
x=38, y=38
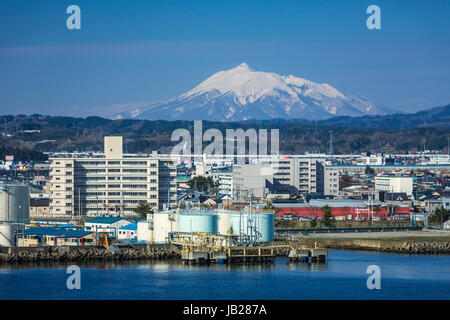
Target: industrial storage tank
x=164, y=223
x=14, y=202
x=198, y=221
x=224, y=224
x=144, y=231
x=264, y=222
x=6, y=235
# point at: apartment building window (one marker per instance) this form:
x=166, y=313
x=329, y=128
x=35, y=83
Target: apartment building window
x=113, y=170
x=153, y=180
x=135, y=186
x=68, y=165
x=134, y=170
x=68, y=180
x=153, y=165
x=135, y=162
x=113, y=178
x=69, y=189
x=114, y=162
x=91, y=171
x=92, y=163
x=91, y=178
x=135, y=178
x=94, y=186
x=115, y=193
x=115, y=186
x=141, y=194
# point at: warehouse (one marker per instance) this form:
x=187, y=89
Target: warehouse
x=340, y=209
x=54, y=237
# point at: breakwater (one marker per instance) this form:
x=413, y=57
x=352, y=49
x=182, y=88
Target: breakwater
x=169, y=252
x=394, y=246
x=88, y=253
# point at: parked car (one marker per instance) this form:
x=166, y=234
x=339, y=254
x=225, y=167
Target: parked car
x=359, y=219
x=376, y=219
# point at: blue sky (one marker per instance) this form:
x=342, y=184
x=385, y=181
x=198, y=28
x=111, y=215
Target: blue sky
x=131, y=53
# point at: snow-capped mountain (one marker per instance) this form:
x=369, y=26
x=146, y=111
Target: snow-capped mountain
x=243, y=94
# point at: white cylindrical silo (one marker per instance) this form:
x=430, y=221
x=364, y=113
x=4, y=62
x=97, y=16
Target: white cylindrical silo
x=224, y=225
x=144, y=231
x=14, y=202
x=163, y=224
x=6, y=235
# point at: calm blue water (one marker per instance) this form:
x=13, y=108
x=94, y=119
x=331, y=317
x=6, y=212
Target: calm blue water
x=342, y=277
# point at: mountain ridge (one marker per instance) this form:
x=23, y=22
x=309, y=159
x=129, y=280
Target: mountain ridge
x=391, y=133
x=241, y=93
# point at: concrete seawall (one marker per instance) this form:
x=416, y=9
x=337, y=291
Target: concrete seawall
x=398, y=246
x=168, y=252
x=88, y=253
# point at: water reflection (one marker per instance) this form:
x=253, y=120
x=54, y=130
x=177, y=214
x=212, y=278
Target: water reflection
x=309, y=266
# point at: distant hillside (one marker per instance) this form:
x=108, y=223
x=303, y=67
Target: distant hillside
x=436, y=117
x=390, y=133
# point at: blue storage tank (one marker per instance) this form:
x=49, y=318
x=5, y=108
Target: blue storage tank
x=265, y=223
x=198, y=221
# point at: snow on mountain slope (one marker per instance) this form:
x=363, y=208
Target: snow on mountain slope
x=242, y=94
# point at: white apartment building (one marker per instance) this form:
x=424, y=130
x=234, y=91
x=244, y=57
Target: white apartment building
x=250, y=180
x=331, y=181
x=225, y=183
x=290, y=174
x=394, y=184
x=300, y=174
x=111, y=183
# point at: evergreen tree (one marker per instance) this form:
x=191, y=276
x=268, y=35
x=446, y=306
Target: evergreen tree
x=328, y=218
x=142, y=209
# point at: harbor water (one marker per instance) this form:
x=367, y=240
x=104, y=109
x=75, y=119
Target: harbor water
x=343, y=276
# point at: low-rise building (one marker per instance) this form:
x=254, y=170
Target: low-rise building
x=128, y=232
x=394, y=184
x=39, y=207
x=107, y=225
x=54, y=237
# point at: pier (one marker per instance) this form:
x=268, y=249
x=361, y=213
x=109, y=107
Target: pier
x=201, y=248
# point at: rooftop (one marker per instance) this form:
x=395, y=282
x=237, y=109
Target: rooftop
x=131, y=226
x=104, y=220
x=56, y=232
